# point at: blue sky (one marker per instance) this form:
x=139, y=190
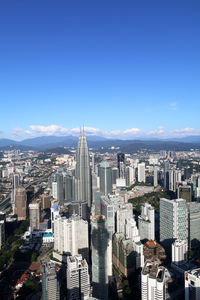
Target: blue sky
x=122, y=68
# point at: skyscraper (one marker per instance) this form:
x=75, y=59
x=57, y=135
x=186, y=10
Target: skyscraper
x=50, y=283
x=193, y=224
x=105, y=178
x=60, y=187
x=153, y=282
x=21, y=203
x=82, y=176
x=173, y=221
x=166, y=174
x=99, y=237
x=141, y=172
x=34, y=214
x=15, y=184
x=78, y=282
x=120, y=163
x=71, y=235
x=146, y=222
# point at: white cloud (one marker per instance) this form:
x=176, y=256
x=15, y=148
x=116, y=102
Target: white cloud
x=58, y=130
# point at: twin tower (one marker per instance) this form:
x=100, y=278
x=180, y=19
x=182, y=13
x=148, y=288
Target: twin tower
x=83, y=190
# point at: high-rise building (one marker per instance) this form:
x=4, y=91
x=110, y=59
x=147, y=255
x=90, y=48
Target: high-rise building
x=50, y=282
x=54, y=213
x=173, y=221
x=82, y=176
x=153, y=282
x=54, y=190
x=15, y=184
x=185, y=192
x=34, y=215
x=179, y=252
x=193, y=224
x=99, y=238
x=45, y=201
x=141, y=172
x=21, y=203
x=133, y=234
x=155, y=176
x=71, y=235
x=60, y=187
x=125, y=211
x=146, y=222
x=105, y=178
x=124, y=255
x=120, y=164
x=68, y=187
x=130, y=175
x=115, y=175
x=192, y=285
x=78, y=282
x=166, y=175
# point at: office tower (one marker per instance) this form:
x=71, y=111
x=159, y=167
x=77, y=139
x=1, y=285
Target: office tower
x=54, y=190
x=185, y=192
x=155, y=176
x=54, y=213
x=107, y=210
x=153, y=282
x=60, y=187
x=97, y=203
x=166, y=175
x=82, y=176
x=124, y=255
x=130, y=175
x=173, y=221
x=45, y=201
x=50, y=283
x=172, y=181
x=193, y=224
x=179, y=252
x=34, y=215
x=132, y=233
x=21, y=203
x=192, y=284
x=120, y=164
x=68, y=187
x=15, y=184
x=78, y=282
x=2, y=233
x=99, y=238
x=105, y=178
x=115, y=175
x=125, y=211
x=141, y=172
x=146, y=222
x=71, y=235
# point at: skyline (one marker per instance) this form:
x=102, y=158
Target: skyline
x=125, y=70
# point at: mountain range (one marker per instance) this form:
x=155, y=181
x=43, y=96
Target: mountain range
x=51, y=142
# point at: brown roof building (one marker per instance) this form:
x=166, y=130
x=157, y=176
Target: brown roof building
x=154, y=252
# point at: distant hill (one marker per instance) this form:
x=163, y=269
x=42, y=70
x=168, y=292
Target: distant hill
x=45, y=143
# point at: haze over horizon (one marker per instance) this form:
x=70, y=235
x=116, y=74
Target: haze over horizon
x=125, y=70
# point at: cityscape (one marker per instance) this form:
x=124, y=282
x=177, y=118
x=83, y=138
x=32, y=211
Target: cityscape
x=99, y=225
x=99, y=150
